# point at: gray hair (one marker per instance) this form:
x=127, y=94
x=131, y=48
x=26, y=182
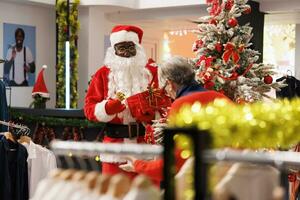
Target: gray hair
x=176, y=69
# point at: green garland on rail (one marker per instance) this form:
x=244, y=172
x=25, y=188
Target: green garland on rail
x=61, y=9
x=54, y=121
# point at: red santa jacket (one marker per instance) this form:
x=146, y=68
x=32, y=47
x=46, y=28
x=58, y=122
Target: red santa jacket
x=96, y=98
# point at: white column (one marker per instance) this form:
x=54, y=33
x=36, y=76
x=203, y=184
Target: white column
x=94, y=27
x=297, y=52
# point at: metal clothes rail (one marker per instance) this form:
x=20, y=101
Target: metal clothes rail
x=279, y=159
x=95, y=148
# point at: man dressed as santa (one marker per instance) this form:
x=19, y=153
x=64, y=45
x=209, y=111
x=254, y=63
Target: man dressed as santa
x=124, y=74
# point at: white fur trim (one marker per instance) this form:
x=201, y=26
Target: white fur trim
x=44, y=67
x=110, y=158
x=100, y=112
x=43, y=94
x=122, y=36
x=126, y=115
x=113, y=158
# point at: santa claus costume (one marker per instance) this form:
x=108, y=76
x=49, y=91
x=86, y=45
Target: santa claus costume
x=126, y=75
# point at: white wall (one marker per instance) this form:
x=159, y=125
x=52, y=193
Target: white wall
x=43, y=18
x=94, y=26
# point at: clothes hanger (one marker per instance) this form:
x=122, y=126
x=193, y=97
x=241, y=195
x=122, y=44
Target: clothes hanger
x=10, y=136
x=24, y=139
x=141, y=182
x=119, y=186
x=102, y=184
x=78, y=175
x=55, y=173
x=142, y=188
x=67, y=174
x=90, y=179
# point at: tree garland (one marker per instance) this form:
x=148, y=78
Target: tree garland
x=254, y=126
x=61, y=9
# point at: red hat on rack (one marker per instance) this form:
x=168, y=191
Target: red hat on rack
x=40, y=86
x=123, y=33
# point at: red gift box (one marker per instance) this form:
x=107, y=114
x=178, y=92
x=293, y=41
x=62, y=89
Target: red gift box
x=143, y=105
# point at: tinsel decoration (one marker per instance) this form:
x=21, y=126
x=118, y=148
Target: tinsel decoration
x=61, y=10
x=225, y=61
x=258, y=125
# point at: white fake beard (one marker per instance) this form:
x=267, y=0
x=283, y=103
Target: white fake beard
x=127, y=75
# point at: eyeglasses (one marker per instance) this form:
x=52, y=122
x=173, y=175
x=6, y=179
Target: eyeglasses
x=123, y=49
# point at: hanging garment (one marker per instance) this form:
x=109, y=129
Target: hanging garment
x=291, y=90
x=183, y=182
x=13, y=171
x=40, y=162
x=248, y=181
x=3, y=106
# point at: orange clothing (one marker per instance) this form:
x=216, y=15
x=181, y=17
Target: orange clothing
x=154, y=168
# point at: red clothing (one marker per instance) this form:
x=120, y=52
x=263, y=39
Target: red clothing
x=97, y=95
x=154, y=168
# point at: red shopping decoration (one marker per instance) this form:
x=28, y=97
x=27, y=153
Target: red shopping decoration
x=143, y=105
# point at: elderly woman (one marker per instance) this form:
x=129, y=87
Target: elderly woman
x=178, y=77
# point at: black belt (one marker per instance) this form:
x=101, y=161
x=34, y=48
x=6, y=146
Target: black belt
x=131, y=130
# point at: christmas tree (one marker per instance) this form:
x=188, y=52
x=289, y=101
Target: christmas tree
x=225, y=62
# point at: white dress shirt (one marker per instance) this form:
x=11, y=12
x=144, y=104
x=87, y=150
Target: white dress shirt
x=40, y=162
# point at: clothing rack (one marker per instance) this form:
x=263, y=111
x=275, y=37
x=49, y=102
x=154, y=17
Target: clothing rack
x=95, y=148
x=283, y=160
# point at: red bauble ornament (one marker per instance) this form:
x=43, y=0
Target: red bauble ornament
x=66, y=29
x=292, y=177
x=208, y=85
x=219, y=47
x=268, y=79
x=234, y=75
x=247, y=11
x=213, y=21
x=232, y=22
x=228, y=4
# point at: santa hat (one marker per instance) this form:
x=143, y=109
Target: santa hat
x=40, y=86
x=151, y=62
x=204, y=98
x=122, y=33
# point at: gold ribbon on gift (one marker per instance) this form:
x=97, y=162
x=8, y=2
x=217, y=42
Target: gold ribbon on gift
x=154, y=95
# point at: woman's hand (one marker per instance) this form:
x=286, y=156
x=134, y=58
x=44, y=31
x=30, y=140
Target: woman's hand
x=128, y=167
